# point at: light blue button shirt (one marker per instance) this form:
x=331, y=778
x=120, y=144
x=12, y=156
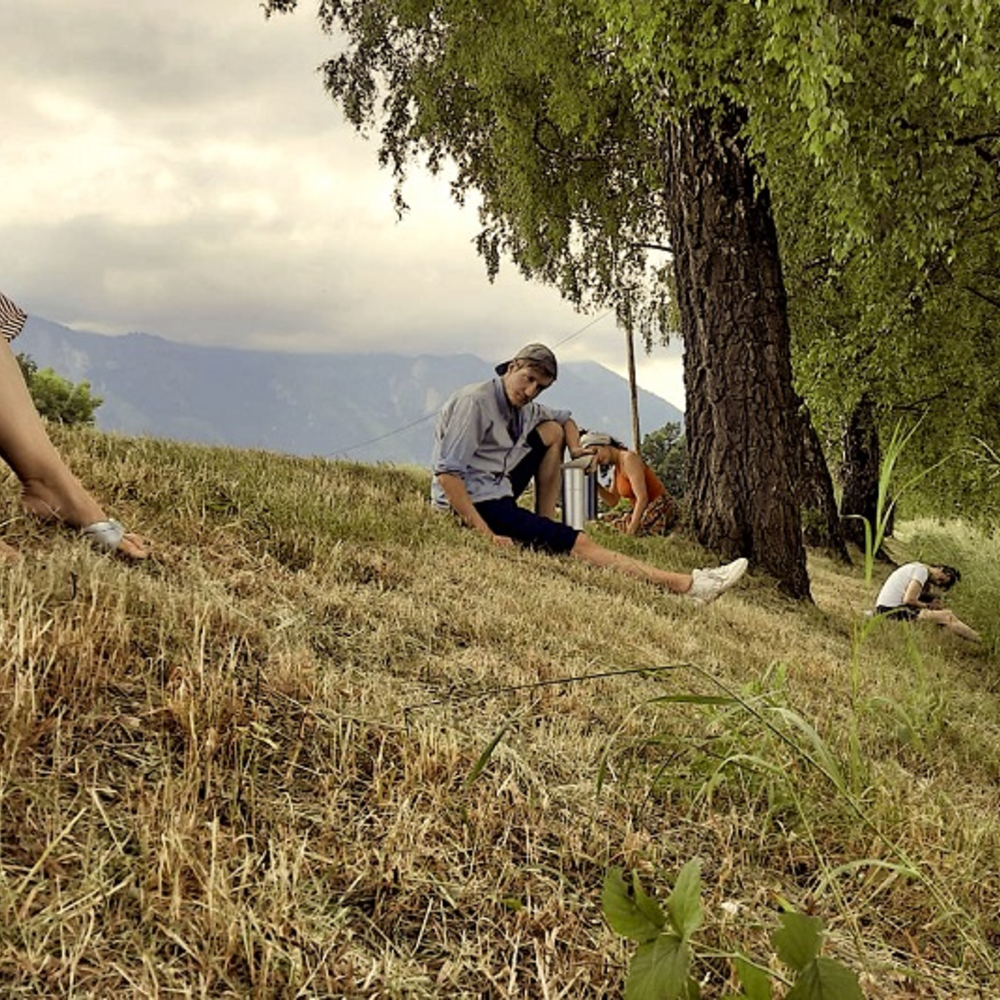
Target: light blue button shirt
x=480, y=438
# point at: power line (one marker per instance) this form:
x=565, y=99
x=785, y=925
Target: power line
x=383, y=437
x=434, y=413
x=586, y=326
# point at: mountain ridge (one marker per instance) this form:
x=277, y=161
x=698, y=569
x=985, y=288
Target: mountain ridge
x=370, y=407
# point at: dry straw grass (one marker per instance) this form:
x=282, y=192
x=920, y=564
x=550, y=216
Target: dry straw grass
x=327, y=744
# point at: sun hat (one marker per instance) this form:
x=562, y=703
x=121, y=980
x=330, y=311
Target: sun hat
x=594, y=439
x=534, y=354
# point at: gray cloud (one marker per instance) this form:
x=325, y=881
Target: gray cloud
x=177, y=168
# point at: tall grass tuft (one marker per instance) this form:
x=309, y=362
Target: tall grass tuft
x=889, y=494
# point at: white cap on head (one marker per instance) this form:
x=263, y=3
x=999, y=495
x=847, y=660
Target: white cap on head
x=594, y=439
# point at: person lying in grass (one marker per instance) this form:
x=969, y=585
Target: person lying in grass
x=492, y=439
x=908, y=594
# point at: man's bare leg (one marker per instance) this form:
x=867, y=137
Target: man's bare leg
x=548, y=478
x=701, y=585
x=588, y=550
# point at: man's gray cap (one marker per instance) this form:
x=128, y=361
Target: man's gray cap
x=534, y=354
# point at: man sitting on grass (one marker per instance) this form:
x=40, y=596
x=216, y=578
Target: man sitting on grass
x=907, y=595
x=492, y=439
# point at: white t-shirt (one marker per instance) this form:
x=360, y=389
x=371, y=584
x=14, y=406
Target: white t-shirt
x=893, y=590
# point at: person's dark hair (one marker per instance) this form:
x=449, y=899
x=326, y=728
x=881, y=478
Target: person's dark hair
x=953, y=576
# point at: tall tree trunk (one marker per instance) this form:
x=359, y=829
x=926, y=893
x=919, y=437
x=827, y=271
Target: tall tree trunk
x=861, y=462
x=821, y=524
x=741, y=413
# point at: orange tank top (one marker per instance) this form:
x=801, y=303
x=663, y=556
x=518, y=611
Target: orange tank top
x=623, y=487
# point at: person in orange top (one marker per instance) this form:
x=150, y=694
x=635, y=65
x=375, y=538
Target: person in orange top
x=652, y=510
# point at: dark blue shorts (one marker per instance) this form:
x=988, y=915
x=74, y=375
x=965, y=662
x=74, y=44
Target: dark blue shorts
x=522, y=473
x=903, y=613
x=527, y=528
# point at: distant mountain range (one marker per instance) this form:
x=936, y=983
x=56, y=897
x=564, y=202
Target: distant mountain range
x=364, y=407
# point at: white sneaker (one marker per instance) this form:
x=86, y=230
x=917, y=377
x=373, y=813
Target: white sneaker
x=708, y=584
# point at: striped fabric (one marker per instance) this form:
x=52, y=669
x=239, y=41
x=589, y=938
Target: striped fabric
x=11, y=318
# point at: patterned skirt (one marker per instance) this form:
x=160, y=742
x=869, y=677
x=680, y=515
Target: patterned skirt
x=658, y=518
x=11, y=318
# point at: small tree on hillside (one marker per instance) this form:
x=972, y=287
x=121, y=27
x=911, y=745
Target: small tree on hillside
x=28, y=368
x=56, y=398
x=665, y=452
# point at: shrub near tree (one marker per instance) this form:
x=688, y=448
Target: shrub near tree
x=56, y=398
x=665, y=452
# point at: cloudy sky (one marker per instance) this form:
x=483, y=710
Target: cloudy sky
x=176, y=168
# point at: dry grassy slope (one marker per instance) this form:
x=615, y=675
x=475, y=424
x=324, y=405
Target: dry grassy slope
x=260, y=764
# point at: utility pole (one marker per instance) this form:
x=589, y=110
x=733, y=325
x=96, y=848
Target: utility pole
x=633, y=389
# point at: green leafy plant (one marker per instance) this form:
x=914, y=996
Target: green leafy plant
x=661, y=966
x=56, y=398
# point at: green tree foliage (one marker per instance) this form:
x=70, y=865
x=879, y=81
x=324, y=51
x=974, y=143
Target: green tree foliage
x=523, y=100
x=56, y=398
x=28, y=368
x=875, y=128
x=665, y=452
x=889, y=239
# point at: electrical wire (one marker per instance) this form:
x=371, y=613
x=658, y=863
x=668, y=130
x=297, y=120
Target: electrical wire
x=427, y=416
x=383, y=437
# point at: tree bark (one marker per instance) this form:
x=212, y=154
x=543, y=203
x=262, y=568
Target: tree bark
x=741, y=416
x=859, y=473
x=822, y=527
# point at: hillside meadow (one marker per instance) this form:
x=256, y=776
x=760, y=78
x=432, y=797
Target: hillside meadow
x=329, y=744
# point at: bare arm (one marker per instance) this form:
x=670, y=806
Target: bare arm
x=609, y=496
x=460, y=501
x=634, y=468
x=911, y=596
x=916, y=598
x=572, y=433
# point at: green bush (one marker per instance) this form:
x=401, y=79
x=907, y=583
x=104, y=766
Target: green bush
x=56, y=398
x=665, y=452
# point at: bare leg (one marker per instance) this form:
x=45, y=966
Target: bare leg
x=548, y=478
x=588, y=550
x=949, y=620
x=48, y=489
